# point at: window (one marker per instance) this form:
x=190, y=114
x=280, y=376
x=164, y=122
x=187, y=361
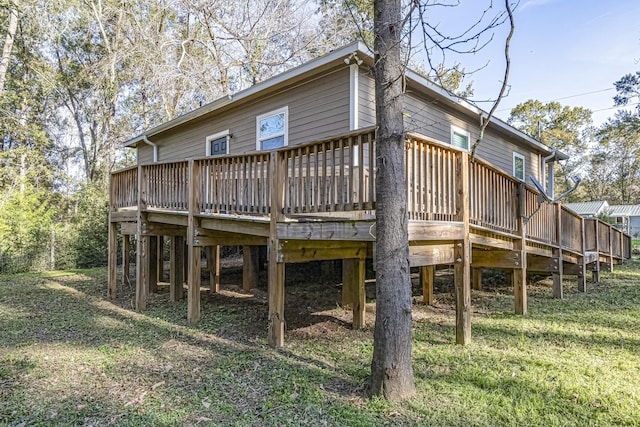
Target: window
x=460, y=138
x=272, y=129
x=518, y=166
x=218, y=144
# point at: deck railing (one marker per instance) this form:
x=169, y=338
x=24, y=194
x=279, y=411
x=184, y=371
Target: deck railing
x=570, y=230
x=541, y=224
x=494, y=201
x=234, y=184
x=336, y=175
x=431, y=185
x=124, y=188
x=329, y=176
x=166, y=186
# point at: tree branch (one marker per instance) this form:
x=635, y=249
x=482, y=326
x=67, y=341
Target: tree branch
x=484, y=122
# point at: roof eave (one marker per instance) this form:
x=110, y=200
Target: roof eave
x=273, y=81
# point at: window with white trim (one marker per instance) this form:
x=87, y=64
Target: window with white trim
x=272, y=129
x=518, y=166
x=460, y=138
x=218, y=144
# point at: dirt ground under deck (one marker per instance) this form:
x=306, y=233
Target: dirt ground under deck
x=313, y=298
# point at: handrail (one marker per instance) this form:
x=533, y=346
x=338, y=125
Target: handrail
x=124, y=188
x=338, y=175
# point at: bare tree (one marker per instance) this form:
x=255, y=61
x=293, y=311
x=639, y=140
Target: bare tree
x=8, y=43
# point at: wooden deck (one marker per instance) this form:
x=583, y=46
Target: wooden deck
x=317, y=202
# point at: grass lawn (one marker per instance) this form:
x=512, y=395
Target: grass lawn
x=69, y=356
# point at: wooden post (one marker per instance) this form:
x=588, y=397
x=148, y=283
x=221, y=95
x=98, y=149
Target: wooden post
x=519, y=275
x=353, y=291
x=185, y=261
x=582, y=280
x=347, y=283
x=427, y=278
x=249, y=268
x=611, y=237
x=358, y=298
x=276, y=266
x=112, y=281
x=462, y=254
x=595, y=274
x=477, y=278
x=152, y=261
x=160, y=260
x=213, y=265
x=141, y=270
x=193, y=282
x=126, y=260
x=176, y=269
x=557, y=256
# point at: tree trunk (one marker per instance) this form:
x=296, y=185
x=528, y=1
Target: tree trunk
x=8, y=45
x=391, y=371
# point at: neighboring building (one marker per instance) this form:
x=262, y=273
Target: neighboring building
x=627, y=218
x=589, y=209
x=328, y=97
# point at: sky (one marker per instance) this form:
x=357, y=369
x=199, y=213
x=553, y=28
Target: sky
x=571, y=51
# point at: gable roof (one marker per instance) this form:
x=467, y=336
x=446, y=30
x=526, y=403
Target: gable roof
x=342, y=54
x=588, y=208
x=624, y=210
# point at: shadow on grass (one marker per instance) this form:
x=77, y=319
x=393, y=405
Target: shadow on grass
x=203, y=373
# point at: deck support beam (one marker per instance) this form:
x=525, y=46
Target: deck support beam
x=194, y=255
x=275, y=331
x=477, y=279
x=126, y=260
x=519, y=280
x=276, y=300
x=582, y=273
x=347, y=295
x=518, y=275
x=558, y=275
x=160, y=258
x=427, y=279
x=141, y=272
x=557, y=255
x=213, y=265
x=462, y=284
x=112, y=280
x=595, y=273
x=353, y=276
x=193, y=285
x=152, y=263
x=249, y=267
x=176, y=269
x=462, y=254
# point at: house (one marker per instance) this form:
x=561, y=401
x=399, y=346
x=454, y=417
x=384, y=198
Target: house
x=589, y=209
x=627, y=218
x=288, y=164
x=332, y=96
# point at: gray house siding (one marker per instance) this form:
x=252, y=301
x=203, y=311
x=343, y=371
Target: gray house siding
x=432, y=119
x=317, y=108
